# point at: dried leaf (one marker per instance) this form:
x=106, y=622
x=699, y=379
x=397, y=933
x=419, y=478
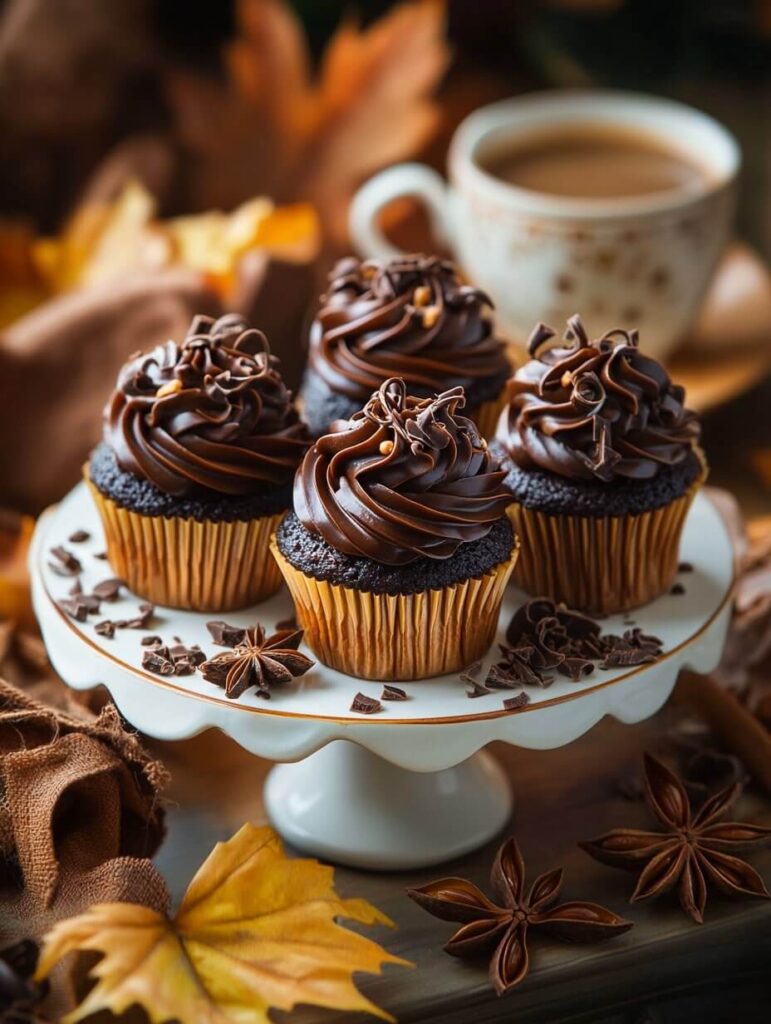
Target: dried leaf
x=106, y=240
x=15, y=536
x=255, y=931
x=273, y=128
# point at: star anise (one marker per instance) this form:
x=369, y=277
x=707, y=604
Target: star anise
x=258, y=661
x=504, y=929
x=696, y=849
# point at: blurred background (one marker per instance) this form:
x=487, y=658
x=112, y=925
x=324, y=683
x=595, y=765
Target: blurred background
x=160, y=159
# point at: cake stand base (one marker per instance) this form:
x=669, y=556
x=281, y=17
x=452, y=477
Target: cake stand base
x=347, y=805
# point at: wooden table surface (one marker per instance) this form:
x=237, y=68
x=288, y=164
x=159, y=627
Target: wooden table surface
x=666, y=969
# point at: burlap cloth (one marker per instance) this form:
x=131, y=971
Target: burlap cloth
x=79, y=815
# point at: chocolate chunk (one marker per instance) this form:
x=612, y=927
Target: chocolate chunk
x=108, y=590
x=92, y=603
x=75, y=608
x=101, y=555
x=79, y=536
x=393, y=693
x=155, y=661
x=677, y=589
x=142, y=620
x=224, y=634
x=364, y=705
x=105, y=628
x=520, y=701
x=66, y=563
x=151, y=640
x=183, y=667
x=685, y=567
x=76, y=589
x=193, y=654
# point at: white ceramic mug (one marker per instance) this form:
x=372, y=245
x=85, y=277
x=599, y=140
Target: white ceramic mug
x=641, y=261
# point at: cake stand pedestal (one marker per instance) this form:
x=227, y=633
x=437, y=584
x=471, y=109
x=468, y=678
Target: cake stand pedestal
x=411, y=785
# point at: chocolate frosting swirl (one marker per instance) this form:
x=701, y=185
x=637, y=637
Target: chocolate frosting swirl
x=593, y=410
x=403, y=479
x=212, y=412
x=409, y=316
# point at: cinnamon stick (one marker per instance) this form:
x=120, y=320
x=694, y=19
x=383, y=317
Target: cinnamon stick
x=730, y=720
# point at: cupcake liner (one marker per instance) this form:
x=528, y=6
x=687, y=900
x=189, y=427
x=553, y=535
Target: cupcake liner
x=487, y=414
x=187, y=563
x=600, y=565
x=401, y=637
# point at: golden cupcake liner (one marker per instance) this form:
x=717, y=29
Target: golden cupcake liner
x=407, y=636
x=487, y=414
x=600, y=565
x=185, y=563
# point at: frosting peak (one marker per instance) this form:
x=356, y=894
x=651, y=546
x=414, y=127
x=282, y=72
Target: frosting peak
x=212, y=412
x=408, y=316
x=595, y=409
x=405, y=478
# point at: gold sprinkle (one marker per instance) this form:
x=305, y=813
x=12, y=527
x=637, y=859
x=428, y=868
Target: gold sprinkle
x=430, y=316
x=566, y=379
x=171, y=388
x=421, y=296
x=386, y=447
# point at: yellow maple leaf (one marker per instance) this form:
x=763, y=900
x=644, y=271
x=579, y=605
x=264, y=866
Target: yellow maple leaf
x=255, y=931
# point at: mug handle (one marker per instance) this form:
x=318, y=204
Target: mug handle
x=415, y=180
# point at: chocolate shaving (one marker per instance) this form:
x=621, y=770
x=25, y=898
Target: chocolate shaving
x=79, y=536
x=364, y=705
x=685, y=567
x=225, y=635
x=290, y=623
x=393, y=693
x=520, y=701
x=471, y=672
x=102, y=555
x=677, y=589
x=105, y=628
x=477, y=689
x=152, y=640
x=544, y=637
x=157, y=660
x=66, y=563
x=76, y=589
x=75, y=608
x=141, y=620
x=108, y=590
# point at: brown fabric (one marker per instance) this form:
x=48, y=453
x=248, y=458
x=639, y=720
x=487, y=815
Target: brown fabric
x=79, y=815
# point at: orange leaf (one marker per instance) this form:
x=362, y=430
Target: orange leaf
x=255, y=931
x=15, y=536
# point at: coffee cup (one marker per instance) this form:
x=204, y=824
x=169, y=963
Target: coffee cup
x=622, y=259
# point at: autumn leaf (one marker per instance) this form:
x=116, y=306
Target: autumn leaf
x=255, y=931
x=104, y=241
x=15, y=536
x=274, y=127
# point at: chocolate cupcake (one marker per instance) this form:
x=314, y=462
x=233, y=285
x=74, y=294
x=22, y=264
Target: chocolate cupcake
x=399, y=548
x=410, y=317
x=201, y=443
x=602, y=458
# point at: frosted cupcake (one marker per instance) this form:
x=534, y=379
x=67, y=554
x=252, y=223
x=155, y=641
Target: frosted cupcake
x=399, y=548
x=602, y=458
x=201, y=443
x=409, y=317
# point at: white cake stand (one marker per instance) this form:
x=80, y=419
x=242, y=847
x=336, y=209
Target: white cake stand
x=408, y=786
